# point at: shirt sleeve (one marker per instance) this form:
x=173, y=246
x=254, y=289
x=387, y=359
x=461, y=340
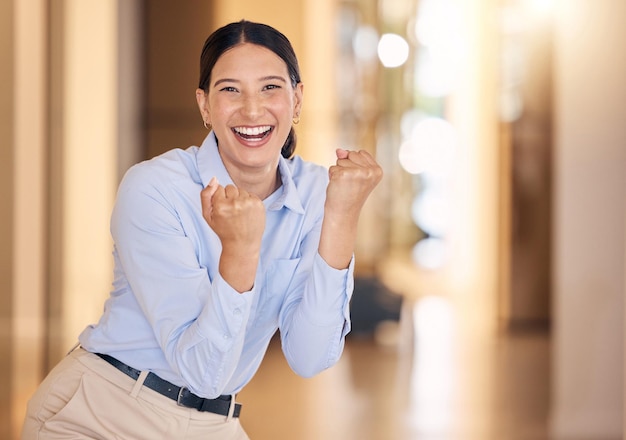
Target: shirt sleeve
x=314, y=323
x=198, y=320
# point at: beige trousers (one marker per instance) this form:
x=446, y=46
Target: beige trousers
x=84, y=397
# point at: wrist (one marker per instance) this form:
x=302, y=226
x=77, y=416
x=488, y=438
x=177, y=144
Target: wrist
x=238, y=269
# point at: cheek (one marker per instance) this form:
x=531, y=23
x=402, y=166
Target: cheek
x=283, y=107
x=218, y=109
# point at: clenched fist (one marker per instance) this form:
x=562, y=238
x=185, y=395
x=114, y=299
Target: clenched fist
x=352, y=179
x=238, y=219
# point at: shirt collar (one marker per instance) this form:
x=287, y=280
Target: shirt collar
x=289, y=197
x=210, y=164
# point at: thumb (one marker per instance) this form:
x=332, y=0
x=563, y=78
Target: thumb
x=211, y=188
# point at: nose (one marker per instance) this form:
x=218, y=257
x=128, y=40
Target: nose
x=252, y=106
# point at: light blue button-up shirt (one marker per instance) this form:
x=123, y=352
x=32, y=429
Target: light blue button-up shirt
x=170, y=311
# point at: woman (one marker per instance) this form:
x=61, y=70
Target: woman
x=216, y=248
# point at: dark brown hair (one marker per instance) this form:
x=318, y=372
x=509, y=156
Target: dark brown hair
x=244, y=31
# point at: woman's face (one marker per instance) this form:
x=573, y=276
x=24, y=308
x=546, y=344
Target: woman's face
x=250, y=103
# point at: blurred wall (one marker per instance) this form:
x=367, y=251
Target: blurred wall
x=6, y=200
x=61, y=152
x=589, y=219
x=23, y=224
x=85, y=139
x=531, y=148
x=174, y=33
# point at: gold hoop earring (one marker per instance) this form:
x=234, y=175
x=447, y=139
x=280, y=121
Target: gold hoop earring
x=296, y=120
x=207, y=126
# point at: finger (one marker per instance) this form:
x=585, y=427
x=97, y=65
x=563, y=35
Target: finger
x=220, y=192
x=208, y=192
x=352, y=159
x=341, y=153
x=362, y=158
x=367, y=157
x=212, y=187
x=231, y=191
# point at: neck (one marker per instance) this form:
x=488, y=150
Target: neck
x=261, y=185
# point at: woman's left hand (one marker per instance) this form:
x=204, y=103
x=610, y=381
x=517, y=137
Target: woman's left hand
x=352, y=179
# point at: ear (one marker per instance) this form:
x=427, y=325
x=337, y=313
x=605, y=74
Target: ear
x=202, y=99
x=298, y=97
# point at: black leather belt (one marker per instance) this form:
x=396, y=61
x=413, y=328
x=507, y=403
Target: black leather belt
x=181, y=395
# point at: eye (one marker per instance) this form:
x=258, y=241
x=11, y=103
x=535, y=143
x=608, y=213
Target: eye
x=271, y=87
x=228, y=89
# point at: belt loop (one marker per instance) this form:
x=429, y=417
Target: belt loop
x=138, y=384
x=231, y=408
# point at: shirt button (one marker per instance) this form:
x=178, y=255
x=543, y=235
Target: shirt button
x=226, y=336
x=237, y=312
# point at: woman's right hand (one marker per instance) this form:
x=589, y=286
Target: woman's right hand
x=238, y=219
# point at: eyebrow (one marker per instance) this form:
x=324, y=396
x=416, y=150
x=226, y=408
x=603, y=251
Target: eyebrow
x=265, y=78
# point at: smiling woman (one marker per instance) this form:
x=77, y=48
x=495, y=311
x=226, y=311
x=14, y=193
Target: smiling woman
x=216, y=248
x=250, y=101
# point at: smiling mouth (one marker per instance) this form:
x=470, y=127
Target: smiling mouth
x=253, y=133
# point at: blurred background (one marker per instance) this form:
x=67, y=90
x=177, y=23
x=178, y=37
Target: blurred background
x=490, y=276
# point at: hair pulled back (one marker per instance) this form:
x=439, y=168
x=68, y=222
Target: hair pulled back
x=244, y=31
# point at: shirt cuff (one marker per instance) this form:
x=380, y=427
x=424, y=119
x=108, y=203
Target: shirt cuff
x=225, y=314
x=330, y=297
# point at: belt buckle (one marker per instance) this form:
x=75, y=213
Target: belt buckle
x=180, y=396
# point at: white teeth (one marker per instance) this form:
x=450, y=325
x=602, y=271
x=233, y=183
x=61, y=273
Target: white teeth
x=254, y=131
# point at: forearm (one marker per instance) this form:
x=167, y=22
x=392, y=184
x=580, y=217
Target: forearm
x=351, y=181
x=238, y=268
x=313, y=328
x=214, y=341
x=238, y=219
x=338, y=238
x=308, y=355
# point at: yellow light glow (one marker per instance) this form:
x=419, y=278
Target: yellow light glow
x=393, y=50
x=438, y=24
x=439, y=28
x=365, y=43
x=542, y=6
x=433, y=385
x=431, y=211
x=430, y=253
x=430, y=147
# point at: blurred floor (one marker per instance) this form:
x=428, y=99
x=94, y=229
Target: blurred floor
x=435, y=377
x=442, y=380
